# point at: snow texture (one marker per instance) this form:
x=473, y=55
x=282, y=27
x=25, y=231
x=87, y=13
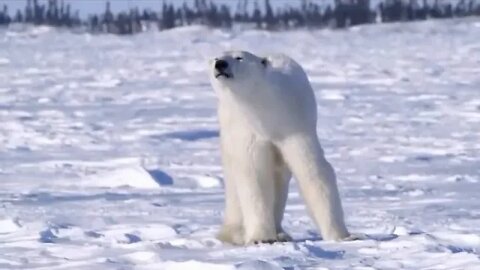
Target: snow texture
x=110, y=154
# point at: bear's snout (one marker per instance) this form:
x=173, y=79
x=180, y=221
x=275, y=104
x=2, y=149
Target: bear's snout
x=221, y=65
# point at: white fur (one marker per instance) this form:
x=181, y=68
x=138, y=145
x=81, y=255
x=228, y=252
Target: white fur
x=268, y=118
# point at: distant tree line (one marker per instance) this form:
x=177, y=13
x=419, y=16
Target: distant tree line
x=343, y=13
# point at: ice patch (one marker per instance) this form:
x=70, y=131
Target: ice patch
x=9, y=226
x=4, y=61
x=196, y=265
x=258, y=265
x=331, y=95
x=462, y=178
x=132, y=176
x=131, y=234
x=400, y=230
x=155, y=232
x=461, y=240
x=206, y=181
x=392, y=159
x=141, y=257
x=105, y=83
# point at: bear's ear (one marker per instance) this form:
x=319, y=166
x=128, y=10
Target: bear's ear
x=264, y=62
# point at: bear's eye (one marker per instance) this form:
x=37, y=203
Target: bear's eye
x=239, y=58
x=264, y=62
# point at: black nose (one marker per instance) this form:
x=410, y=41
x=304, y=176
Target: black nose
x=221, y=65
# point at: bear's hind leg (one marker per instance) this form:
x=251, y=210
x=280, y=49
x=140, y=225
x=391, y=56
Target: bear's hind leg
x=282, y=179
x=317, y=182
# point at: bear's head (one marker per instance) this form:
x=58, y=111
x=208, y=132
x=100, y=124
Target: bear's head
x=235, y=68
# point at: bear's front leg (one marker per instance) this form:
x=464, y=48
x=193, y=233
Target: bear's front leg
x=255, y=188
x=256, y=201
x=232, y=228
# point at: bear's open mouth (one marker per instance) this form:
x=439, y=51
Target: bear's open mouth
x=224, y=74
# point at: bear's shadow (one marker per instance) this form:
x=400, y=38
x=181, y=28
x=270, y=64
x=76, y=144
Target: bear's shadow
x=356, y=237
x=188, y=135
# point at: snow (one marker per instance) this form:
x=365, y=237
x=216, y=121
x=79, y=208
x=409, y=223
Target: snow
x=109, y=152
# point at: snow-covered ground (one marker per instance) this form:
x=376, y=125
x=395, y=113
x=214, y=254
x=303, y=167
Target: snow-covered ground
x=109, y=152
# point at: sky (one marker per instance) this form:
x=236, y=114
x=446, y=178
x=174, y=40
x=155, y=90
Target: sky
x=87, y=7
x=95, y=6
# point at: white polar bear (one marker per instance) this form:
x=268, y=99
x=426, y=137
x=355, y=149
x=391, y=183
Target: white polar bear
x=268, y=116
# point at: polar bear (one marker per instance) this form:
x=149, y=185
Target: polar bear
x=268, y=115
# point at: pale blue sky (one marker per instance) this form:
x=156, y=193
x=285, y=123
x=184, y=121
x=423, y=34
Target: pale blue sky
x=95, y=6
